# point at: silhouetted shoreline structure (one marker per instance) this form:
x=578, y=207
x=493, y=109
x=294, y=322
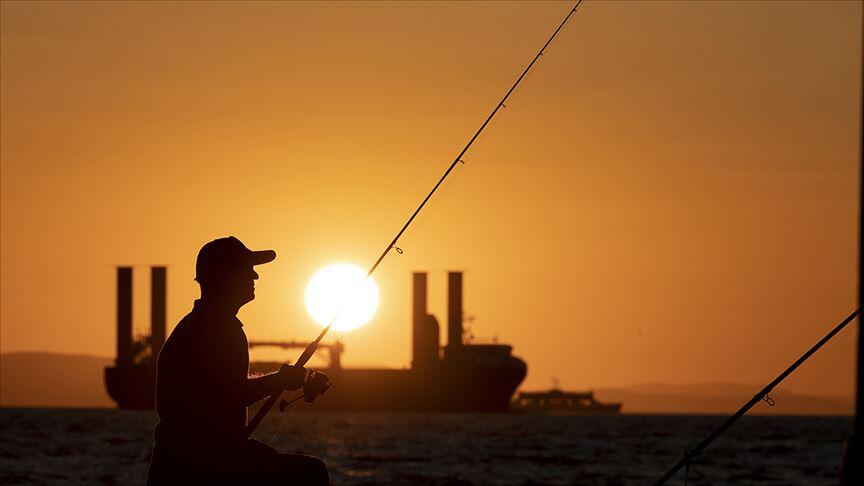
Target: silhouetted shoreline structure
x=458, y=377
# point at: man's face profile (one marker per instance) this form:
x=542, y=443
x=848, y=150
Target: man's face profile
x=246, y=284
x=238, y=284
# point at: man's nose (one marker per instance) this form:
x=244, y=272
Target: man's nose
x=254, y=275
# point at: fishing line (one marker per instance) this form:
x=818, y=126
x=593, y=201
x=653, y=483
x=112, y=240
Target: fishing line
x=310, y=350
x=293, y=403
x=432, y=207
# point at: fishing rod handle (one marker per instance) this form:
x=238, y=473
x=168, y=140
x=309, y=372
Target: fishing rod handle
x=262, y=412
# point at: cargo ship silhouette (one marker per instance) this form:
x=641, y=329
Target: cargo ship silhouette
x=458, y=377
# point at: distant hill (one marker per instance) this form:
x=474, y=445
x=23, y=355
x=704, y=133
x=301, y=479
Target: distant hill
x=64, y=380
x=720, y=398
x=53, y=380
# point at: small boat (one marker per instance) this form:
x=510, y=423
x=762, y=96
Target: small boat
x=558, y=401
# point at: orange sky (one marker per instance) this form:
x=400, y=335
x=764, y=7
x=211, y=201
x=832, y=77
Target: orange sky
x=670, y=197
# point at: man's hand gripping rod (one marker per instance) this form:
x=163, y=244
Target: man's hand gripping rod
x=271, y=400
x=310, y=350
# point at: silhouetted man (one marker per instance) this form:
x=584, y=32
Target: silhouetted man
x=203, y=385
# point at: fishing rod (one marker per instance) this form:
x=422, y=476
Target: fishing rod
x=313, y=346
x=761, y=396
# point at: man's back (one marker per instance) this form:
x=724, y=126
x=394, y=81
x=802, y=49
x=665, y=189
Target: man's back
x=201, y=373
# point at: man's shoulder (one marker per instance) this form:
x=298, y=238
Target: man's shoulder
x=188, y=322
x=191, y=330
x=201, y=327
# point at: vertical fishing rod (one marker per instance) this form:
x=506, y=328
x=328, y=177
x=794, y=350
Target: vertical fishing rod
x=310, y=350
x=762, y=395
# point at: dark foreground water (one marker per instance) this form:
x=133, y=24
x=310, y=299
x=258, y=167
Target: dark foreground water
x=40, y=446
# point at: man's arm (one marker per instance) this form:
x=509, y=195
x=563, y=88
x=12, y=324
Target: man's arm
x=287, y=378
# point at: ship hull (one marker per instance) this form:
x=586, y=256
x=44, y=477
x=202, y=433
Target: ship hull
x=132, y=387
x=442, y=389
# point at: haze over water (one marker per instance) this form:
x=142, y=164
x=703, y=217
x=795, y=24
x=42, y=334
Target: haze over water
x=671, y=197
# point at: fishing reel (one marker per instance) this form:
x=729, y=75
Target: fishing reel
x=316, y=384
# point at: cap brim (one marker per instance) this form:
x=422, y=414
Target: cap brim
x=261, y=256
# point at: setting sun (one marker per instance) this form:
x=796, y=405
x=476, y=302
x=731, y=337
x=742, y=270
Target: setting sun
x=341, y=287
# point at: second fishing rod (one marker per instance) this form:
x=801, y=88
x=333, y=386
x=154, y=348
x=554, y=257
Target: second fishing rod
x=313, y=346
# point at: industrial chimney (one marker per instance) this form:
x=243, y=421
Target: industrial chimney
x=425, y=332
x=124, y=317
x=157, y=308
x=454, y=310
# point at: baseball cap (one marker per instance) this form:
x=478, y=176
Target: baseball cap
x=224, y=255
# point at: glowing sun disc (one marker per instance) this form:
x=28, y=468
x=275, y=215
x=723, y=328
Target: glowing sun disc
x=341, y=287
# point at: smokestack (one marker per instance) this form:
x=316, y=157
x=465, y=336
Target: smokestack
x=454, y=309
x=124, y=316
x=425, y=338
x=157, y=308
x=419, y=303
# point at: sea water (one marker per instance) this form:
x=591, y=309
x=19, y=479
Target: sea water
x=56, y=446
